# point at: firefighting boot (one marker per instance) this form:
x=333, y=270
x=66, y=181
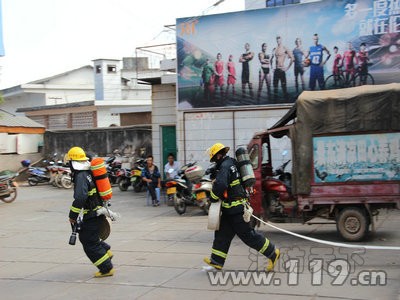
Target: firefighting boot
x=109, y=273
x=212, y=263
x=272, y=260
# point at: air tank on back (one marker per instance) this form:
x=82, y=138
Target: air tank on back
x=245, y=167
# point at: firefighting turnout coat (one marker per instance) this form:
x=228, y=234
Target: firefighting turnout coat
x=85, y=196
x=227, y=187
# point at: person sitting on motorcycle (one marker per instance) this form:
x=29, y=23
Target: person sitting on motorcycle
x=152, y=177
x=228, y=188
x=171, y=168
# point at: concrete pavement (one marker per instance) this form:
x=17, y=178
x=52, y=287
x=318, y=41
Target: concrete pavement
x=158, y=254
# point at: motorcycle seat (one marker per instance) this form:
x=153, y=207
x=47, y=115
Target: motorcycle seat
x=205, y=180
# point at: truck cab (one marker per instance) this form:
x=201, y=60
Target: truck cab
x=345, y=160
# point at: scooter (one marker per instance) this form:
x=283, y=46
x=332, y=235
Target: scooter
x=123, y=179
x=136, y=175
x=8, y=186
x=112, y=166
x=40, y=174
x=189, y=188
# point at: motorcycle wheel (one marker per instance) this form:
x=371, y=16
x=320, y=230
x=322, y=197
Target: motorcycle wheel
x=57, y=181
x=66, y=181
x=10, y=197
x=32, y=182
x=123, y=185
x=179, y=205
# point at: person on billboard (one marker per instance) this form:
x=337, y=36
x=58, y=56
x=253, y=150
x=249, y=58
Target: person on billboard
x=245, y=59
x=317, y=62
x=349, y=61
x=298, y=55
x=280, y=53
x=363, y=59
x=263, y=74
x=337, y=65
x=231, y=80
x=219, y=75
x=207, y=76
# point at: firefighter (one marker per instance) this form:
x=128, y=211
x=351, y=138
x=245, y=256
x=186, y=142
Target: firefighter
x=227, y=187
x=87, y=199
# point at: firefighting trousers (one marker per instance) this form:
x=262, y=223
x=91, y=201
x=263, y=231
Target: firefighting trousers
x=95, y=249
x=230, y=225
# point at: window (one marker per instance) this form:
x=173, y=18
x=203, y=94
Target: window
x=253, y=155
x=98, y=69
x=111, y=68
x=265, y=154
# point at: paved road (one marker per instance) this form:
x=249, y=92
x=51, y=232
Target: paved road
x=158, y=254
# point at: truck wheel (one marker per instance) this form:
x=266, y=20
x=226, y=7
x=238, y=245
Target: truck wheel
x=352, y=224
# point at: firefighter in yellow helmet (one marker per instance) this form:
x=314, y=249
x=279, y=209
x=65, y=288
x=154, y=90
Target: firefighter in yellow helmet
x=228, y=187
x=87, y=201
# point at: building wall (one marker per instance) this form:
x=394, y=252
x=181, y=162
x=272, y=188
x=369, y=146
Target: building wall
x=199, y=130
x=102, y=142
x=105, y=118
x=107, y=80
x=62, y=118
x=11, y=104
x=139, y=118
x=163, y=113
x=136, y=91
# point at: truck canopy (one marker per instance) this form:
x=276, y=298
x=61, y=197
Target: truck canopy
x=345, y=111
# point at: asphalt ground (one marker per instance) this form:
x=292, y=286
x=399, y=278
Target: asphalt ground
x=159, y=254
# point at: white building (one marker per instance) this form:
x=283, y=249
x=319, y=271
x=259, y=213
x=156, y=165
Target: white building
x=101, y=95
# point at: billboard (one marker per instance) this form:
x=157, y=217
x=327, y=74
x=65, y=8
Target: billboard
x=269, y=56
x=357, y=157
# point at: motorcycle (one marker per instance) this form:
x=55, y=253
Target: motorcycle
x=8, y=186
x=124, y=179
x=112, y=166
x=40, y=174
x=64, y=177
x=136, y=175
x=190, y=187
x=278, y=191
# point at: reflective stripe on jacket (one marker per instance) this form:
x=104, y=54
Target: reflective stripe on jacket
x=85, y=195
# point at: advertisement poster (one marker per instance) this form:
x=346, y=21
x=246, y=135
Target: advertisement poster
x=269, y=56
x=363, y=157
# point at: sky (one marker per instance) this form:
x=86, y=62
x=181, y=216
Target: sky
x=43, y=38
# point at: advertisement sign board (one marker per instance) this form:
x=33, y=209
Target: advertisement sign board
x=364, y=157
x=269, y=56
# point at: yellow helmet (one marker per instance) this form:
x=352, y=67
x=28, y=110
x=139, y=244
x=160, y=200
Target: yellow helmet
x=77, y=153
x=214, y=149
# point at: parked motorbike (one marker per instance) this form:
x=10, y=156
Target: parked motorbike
x=136, y=175
x=40, y=174
x=8, y=186
x=191, y=187
x=112, y=166
x=124, y=179
x=278, y=191
x=64, y=177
